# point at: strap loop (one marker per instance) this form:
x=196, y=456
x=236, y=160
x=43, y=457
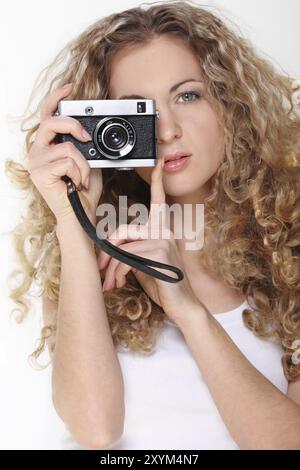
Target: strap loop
x=138, y=262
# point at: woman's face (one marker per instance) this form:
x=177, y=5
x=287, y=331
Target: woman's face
x=185, y=123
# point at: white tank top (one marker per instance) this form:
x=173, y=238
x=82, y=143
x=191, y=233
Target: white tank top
x=167, y=403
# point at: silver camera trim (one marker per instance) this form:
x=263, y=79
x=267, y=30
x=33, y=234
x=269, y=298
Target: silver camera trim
x=104, y=107
x=123, y=164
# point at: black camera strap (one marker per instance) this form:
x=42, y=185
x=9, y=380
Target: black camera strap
x=138, y=262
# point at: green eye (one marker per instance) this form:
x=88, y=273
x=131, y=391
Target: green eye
x=188, y=93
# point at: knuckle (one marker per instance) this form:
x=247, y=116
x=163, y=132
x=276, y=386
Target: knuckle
x=74, y=123
x=70, y=162
x=68, y=146
x=49, y=121
x=53, y=120
x=67, y=119
x=45, y=124
x=69, y=122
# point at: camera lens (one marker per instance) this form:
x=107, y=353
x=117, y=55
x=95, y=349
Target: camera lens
x=115, y=137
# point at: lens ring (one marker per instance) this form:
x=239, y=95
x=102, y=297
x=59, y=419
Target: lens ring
x=115, y=122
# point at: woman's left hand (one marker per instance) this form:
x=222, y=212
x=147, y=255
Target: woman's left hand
x=174, y=298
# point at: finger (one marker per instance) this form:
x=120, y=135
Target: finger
x=133, y=246
x=58, y=151
x=157, y=216
x=52, y=172
x=122, y=234
x=157, y=189
x=120, y=274
x=115, y=275
x=50, y=103
x=59, y=124
x=109, y=281
x=116, y=272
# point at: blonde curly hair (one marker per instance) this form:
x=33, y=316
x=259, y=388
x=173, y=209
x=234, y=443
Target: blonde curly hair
x=253, y=209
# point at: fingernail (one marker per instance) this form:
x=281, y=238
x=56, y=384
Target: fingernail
x=86, y=135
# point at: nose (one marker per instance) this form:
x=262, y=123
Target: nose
x=167, y=127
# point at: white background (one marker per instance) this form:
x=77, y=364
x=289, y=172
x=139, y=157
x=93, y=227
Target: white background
x=31, y=34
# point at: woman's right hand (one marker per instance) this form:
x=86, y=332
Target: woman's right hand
x=47, y=161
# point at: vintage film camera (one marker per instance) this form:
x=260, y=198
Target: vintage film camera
x=123, y=131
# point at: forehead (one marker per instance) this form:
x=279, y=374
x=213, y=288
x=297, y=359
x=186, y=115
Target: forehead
x=163, y=59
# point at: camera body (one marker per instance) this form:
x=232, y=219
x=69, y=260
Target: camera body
x=123, y=131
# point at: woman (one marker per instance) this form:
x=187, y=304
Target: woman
x=224, y=373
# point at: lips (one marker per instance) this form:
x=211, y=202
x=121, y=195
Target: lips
x=175, y=156
x=177, y=163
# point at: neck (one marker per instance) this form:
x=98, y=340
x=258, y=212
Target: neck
x=195, y=197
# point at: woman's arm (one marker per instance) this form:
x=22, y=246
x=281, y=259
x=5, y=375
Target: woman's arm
x=87, y=379
x=256, y=413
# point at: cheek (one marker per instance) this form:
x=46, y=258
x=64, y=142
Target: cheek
x=211, y=139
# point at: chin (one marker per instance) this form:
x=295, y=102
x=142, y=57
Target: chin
x=177, y=191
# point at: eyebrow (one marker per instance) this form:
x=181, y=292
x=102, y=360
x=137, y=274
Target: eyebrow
x=173, y=88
